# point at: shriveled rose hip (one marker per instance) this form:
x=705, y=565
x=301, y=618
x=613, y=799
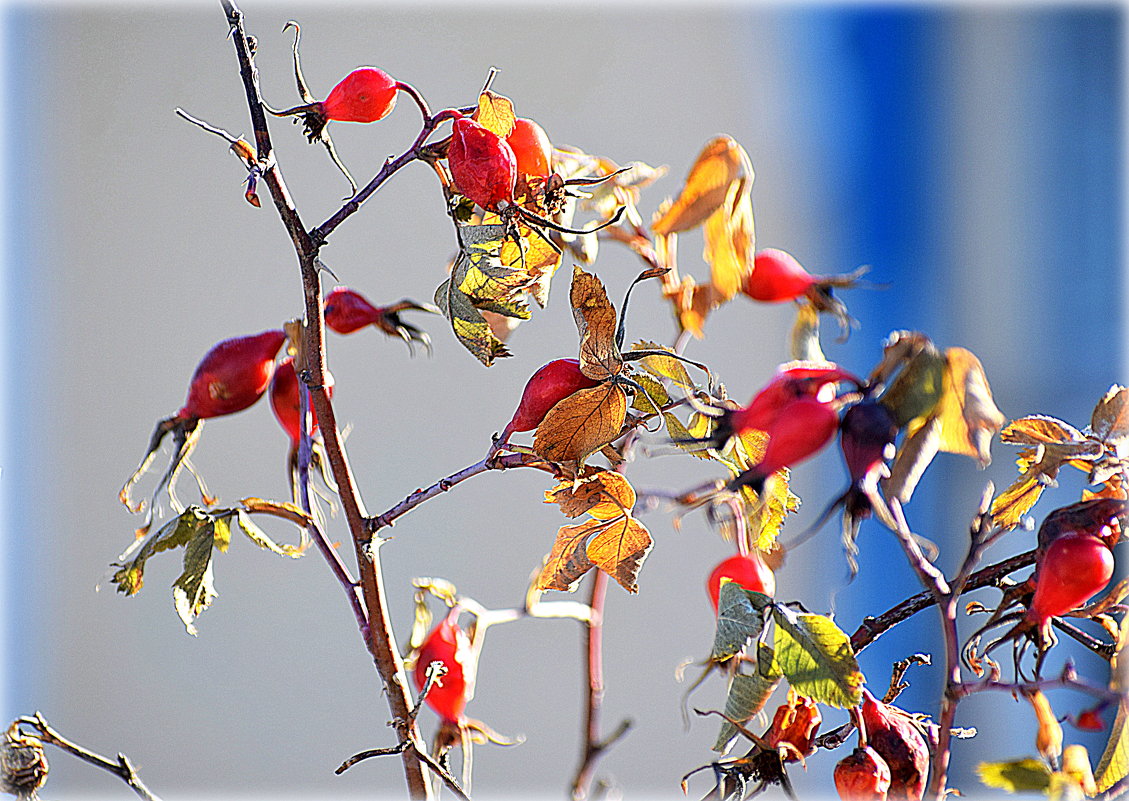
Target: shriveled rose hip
x=862, y=776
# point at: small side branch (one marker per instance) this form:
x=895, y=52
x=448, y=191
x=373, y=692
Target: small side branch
x=121, y=767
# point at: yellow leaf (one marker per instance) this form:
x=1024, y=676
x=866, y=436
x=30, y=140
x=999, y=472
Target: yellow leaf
x=581, y=423
x=730, y=241
x=1076, y=765
x=1035, y=429
x=596, y=320
x=1012, y=504
x=968, y=416
x=721, y=163
x=692, y=303
x=495, y=112
x=1114, y=763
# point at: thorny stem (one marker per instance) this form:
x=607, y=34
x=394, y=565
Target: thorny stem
x=121, y=767
x=380, y=640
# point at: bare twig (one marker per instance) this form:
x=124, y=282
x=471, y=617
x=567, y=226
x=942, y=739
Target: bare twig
x=121, y=767
x=380, y=639
x=493, y=462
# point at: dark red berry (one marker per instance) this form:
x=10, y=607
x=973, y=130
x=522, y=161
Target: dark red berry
x=748, y=570
x=893, y=734
x=364, y=95
x=284, y=400
x=347, y=310
x=449, y=644
x=862, y=776
x=483, y=167
x=232, y=375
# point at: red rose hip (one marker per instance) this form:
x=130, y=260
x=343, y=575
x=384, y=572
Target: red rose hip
x=748, y=570
x=366, y=94
x=449, y=644
x=548, y=386
x=483, y=167
x=232, y=375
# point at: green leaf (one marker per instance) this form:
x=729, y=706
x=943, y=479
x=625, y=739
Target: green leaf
x=655, y=392
x=747, y=696
x=740, y=618
x=260, y=537
x=815, y=656
x=917, y=389
x=173, y=534
x=193, y=591
x=1114, y=764
x=1029, y=774
x=470, y=327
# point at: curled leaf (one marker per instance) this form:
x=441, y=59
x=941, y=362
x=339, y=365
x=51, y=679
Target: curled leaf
x=596, y=321
x=721, y=163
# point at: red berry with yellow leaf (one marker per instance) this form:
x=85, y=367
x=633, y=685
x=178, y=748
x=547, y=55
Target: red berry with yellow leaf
x=483, y=167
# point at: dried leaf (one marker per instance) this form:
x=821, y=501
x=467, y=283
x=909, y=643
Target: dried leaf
x=653, y=397
x=1036, y=429
x=1114, y=763
x=193, y=591
x=131, y=577
x=261, y=538
x=603, y=495
x=815, y=657
x=918, y=388
x=692, y=303
x=913, y=457
x=1012, y=504
x=721, y=163
x=581, y=423
x=748, y=693
x=666, y=367
x=495, y=113
x=617, y=546
x=596, y=321
x=1048, y=736
x=969, y=418
x=1110, y=420
x=730, y=241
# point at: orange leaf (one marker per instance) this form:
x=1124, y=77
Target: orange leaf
x=603, y=495
x=1112, y=488
x=583, y=422
x=595, y=319
x=721, y=163
x=617, y=546
x=1039, y=428
x=692, y=304
x=495, y=113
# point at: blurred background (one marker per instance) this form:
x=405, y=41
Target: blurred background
x=972, y=156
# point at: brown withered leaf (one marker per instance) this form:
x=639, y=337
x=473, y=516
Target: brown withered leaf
x=596, y=321
x=603, y=495
x=617, y=546
x=1110, y=420
x=969, y=418
x=720, y=164
x=495, y=113
x=1057, y=443
x=730, y=240
x=1112, y=488
x=531, y=263
x=581, y=423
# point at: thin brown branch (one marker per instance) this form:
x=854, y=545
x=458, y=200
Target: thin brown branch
x=380, y=640
x=121, y=767
x=491, y=462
